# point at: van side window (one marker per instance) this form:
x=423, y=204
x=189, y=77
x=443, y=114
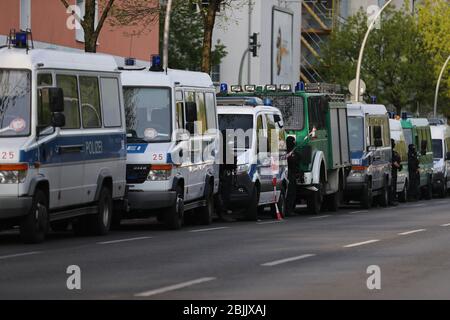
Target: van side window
x=272, y=134
x=44, y=80
x=90, y=102
x=112, y=114
x=211, y=110
x=44, y=113
x=202, y=125
x=376, y=134
x=259, y=134
x=316, y=113
x=69, y=85
x=179, y=110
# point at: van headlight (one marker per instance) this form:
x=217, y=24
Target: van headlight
x=159, y=172
x=242, y=168
x=13, y=174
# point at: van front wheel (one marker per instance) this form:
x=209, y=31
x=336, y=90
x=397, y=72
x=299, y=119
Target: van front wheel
x=206, y=212
x=34, y=226
x=100, y=223
x=173, y=218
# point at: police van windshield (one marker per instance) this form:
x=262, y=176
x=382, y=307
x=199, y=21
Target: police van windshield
x=437, y=148
x=15, y=98
x=241, y=126
x=148, y=114
x=356, y=133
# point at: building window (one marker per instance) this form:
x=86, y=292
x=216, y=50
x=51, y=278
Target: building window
x=25, y=14
x=79, y=33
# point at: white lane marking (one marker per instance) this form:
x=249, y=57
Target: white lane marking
x=270, y=222
x=174, y=287
x=360, y=211
x=209, y=229
x=320, y=217
x=20, y=255
x=123, y=240
x=411, y=232
x=417, y=205
x=277, y=262
x=360, y=243
x=445, y=225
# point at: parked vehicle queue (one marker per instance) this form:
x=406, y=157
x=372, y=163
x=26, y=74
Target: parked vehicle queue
x=86, y=143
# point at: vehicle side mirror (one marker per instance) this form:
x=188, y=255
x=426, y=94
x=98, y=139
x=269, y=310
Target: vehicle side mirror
x=447, y=156
x=58, y=120
x=378, y=143
x=191, y=112
x=54, y=97
x=182, y=136
x=276, y=118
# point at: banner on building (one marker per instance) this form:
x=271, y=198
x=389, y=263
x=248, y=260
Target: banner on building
x=282, y=46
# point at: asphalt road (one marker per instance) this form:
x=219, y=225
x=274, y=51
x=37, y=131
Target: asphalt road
x=301, y=257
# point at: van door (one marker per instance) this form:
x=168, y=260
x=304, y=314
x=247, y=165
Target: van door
x=70, y=145
x=264, y=164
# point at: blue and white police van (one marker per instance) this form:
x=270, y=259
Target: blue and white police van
x=173, y=144
x=254, y=134
x=370, y=152
x=62, y=140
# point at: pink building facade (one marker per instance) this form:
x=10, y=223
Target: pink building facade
x=51, y=27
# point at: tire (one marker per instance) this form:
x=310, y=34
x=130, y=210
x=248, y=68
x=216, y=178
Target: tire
x=205, y=214
x=174, y=216
x=251, y=213
x=34, y=226
x=314, y=203
x=333, y=201
x=100, y=223
x=403, y=196
x=384, y=197
x=367, y=196
x=428, y=190
x=443, y=192
x=60, y=226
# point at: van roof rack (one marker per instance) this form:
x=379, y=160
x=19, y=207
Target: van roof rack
x=322, y=87
x=19, y=39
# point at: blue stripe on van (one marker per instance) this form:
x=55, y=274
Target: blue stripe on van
x=137, y=147
x=81, y=148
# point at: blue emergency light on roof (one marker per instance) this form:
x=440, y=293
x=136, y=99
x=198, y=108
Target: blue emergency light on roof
x=156, y=63
x=130, y=61
x=21, y=39
x=373, y=99
x=223, y=88
x=267, y=102
x=300, y=86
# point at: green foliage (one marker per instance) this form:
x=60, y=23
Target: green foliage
x=186, y=38
x=396, y=67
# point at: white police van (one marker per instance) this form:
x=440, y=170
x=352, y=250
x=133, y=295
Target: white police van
x=440, y=134
x=62, y=140
x=172, y=144
x=255, y=135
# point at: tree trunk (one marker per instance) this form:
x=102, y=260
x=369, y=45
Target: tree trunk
x=88, y=23
x=208, y=22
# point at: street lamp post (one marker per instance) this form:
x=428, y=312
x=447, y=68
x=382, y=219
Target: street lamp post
x=166, y=35
x=437, y=85
x=361, y=51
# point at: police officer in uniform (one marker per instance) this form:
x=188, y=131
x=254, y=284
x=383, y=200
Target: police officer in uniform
x=293, y=160
x=413, y=170
x=395, y=167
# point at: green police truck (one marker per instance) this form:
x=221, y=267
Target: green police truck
x=316, y=116
x=417, y=132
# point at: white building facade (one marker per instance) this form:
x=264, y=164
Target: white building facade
x=277, y=24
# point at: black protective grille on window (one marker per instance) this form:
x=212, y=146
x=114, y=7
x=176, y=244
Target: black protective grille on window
x=291, y=108
x=137, y=173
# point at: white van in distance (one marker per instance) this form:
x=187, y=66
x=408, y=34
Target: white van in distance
x=173, y=144
x=440, y=135
x=62, y=140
